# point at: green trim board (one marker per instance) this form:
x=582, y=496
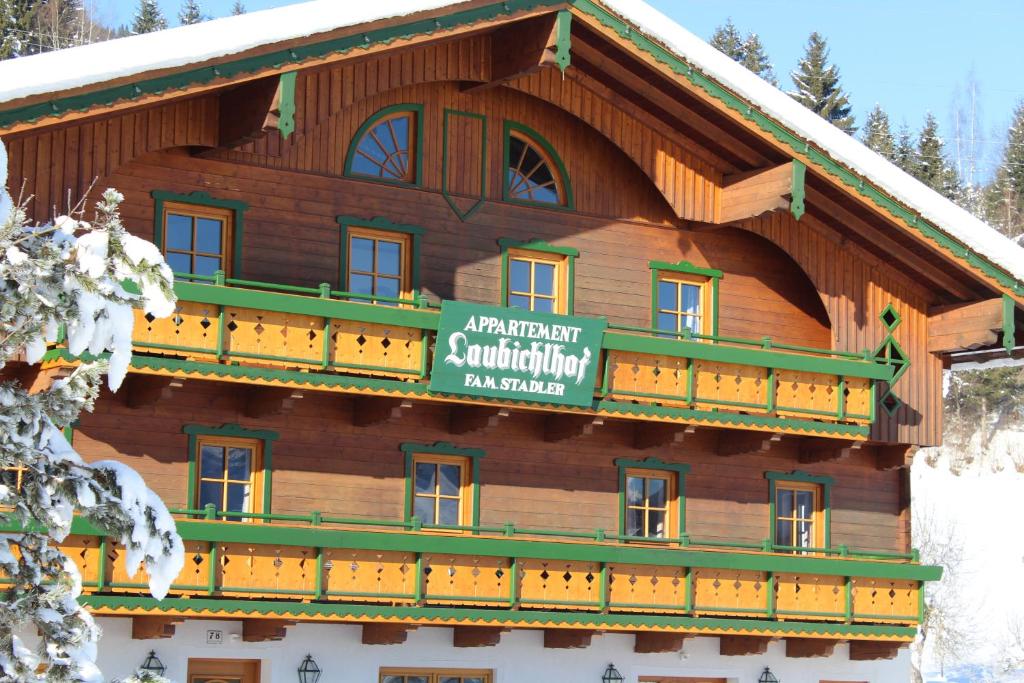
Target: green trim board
x=415, y=233
x=464, y=215
x=416, y=142
x=825, y=482
x=680, y=470
x=286, y=104
x=1009, y=324
x=411, y=450
x=160, y=197
x=542, y=247
x=563, y=40
x=798, y=190
x=531, y=135
x=231, y=430
x=712, y=274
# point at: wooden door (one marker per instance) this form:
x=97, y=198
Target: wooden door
x=676, y=679
x=223, y=671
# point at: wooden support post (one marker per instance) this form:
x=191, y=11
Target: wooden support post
x=562, y=426
x=567, y=638
x=463, y=419
x=141, y=391
x=649, y=642
x=146, y=627
x=266, y=401
x=264, y=630
x=385, y=634
x=963, y=327
x=867, y=650
x=735, y=442
x=747, y=195
x=368, y=411
x=525, y=47
x=824, y=450
x=894, y=457
x=476, y=636
x=809, y=647
x=660, y=434
x=739, y=646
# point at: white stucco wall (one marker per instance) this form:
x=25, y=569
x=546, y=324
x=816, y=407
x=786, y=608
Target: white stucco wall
x=520, y=658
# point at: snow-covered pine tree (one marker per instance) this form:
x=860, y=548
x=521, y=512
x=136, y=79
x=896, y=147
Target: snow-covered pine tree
x=148, y=18
x=237, y=8
x=191, y=13
x=727, y=40
x=1004, y=197
x=906, y=154
x=931, y=166
x=818, y=87
x=86, y=278
x=16, y=23
x=756, y=59
x=877, y=133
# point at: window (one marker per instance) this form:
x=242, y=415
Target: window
x=434, y=676
x=537, y=276
x=442, y=484
x=377, y=265
x=652, y=504
x=684, y=298
x=13, y=477
x=196, y=238
x=230, y=469
x=800, y=511
x=223, y=671
x=534, y=174
x=386, y=147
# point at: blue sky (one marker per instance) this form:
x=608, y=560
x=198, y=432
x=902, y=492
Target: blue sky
x=911, y=56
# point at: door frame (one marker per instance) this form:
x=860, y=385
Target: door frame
x=246, y=669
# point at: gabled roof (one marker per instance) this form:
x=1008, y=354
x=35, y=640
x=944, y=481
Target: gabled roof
x=89, y=68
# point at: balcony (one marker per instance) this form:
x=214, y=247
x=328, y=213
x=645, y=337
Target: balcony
x=280, y=335
x=318, y=568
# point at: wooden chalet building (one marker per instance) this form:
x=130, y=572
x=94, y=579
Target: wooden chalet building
x=514, y=340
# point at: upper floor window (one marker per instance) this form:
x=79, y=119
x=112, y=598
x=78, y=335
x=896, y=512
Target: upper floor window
x=387, y=146
x=652, y=504
x=534, y=174
x=198, y=234
x=685, y=298
x=230, y=469
x=442, y=484
x=537, y=276
x=800, y=511
x=379, y=260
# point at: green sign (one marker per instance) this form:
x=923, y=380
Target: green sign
x=516, y=354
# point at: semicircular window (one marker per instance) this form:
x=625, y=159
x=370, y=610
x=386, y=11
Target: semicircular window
x=532, y=173
x=386, y=149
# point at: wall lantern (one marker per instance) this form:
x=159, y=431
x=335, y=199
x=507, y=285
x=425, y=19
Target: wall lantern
x=767, y=677
x=153, y=665
x=611, y=675
x=309, y=672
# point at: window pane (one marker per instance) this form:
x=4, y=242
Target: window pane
x=238, y=498
x=179, y=232
x=667, y=321
x=634, y=490
x=656, y=526
x=401, y=128
x=634, y=522
x=210, y=492
x=667, y=295
x=424, y=509
x=517, y=301
x=364, y=166
x=206, y=265
x=179, y=263
x=208, y=234
x=544, y=305
x=449, y=511
x=545, y=194
x=691, y=323
x=426, y=477
x=544, y=278
x=657, y=496
x=389, y=258
x=804, y=504
x=239, y=463
x=387, y=286
x=451, y=479
x=212, y=462
x=519, y=276
x=804, y=534
x=361, y=256
x=784, y=503
x=360, y=284
x=691, y=299
x=783, y=533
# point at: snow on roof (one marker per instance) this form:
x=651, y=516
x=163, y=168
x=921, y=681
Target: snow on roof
x=94, y=64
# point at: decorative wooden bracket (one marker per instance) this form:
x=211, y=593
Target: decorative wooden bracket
x=463, y=419
x=567, y=638
x=264, y=630
x=734, y=442
x=660, y=434
x=386, y=634
x=867, y=650
x=141, y=391
x=649, y=642
x=740, y=646
x=266, y=401
x=476, y=636
x=526, y=47
x=368, y=411
x=809, y=647
x=894, y=457
x=963, y=327
x=823, y=450
x=146, y=627
x=751, y=194
x=253, y=109
x=562, y=426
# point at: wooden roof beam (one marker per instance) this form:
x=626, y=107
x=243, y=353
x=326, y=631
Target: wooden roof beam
x=526, y=47
x=741, y=646
x=567, y=638
x=735, y=442
x=476, y=636
x=150, y=627
x=563, y=426
x=810, y=647
x=660, y=434
x=814, y=449
x=964, y=327
x=253, y=109
x=649, y=642
x=385, y=633
x=752, y=194
x=464, y=419
x=264, y=630
x=868, y=650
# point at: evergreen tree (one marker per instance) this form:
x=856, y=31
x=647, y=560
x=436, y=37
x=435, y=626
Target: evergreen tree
x=191, y=13
x=878, y=134
x=1004, y=197
x=818, y=88
x=728, y=41
x=148, y=18
x=931, y=166
x=237, y=8
x=905, y=155
x=16, y=28
x=756, y=59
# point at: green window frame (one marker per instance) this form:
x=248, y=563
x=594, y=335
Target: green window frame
x=678, y=497
x=444, y=449
x=201, y=200
x=797, y=477
x=409, y=234
x=415, y=149
x=196, y=433
x=687, y=271
x=567, y=289
x=514, y=129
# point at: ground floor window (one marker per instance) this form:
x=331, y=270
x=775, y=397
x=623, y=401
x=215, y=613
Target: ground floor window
x=435, y=676
x=223, y=671
x=676, y=679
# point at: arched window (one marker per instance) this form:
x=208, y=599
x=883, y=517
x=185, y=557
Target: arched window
x=387, y=146
x=534, y=174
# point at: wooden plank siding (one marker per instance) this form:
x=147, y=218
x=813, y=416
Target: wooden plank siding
x=321, y=462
